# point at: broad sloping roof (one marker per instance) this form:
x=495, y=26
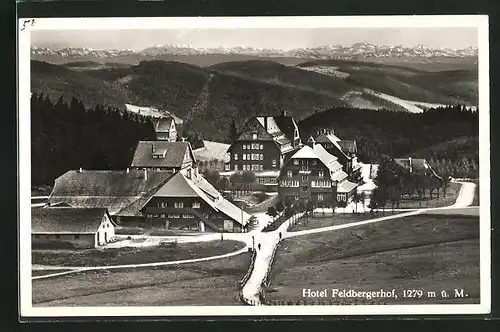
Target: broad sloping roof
x=319, y=152
x=257, y=124
x=182, y=186
x=326, y=158
x=287, y=125
x=173, y=152
x=416, y=164
x=66, y=220
x=114, y=190
x=306, y=152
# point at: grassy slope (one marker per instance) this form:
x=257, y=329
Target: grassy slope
x=206, y=283
x=124, y=256
x=451, y=196
x=417, y=252
x=325, y=220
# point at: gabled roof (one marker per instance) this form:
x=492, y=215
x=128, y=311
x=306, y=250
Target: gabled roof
x=326, y=158
x=163, y=125
x=327, y=138
x=174, y=153
x=348, y=146
x=306, y=152
x=258, y=125
x=318, y=152
x=66, y=220
x=197, y=186
x=114, y=190
x=416, y=164
x=287, y=125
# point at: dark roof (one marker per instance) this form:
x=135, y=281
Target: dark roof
x=251, y=126
x=348, y=146
x=173, y=153
x=114, y=190
x=287, y=125
x=66, y=220
x=162, y=124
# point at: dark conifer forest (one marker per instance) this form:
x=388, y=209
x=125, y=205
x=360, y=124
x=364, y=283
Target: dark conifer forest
x=447, y=137
x=65, y=137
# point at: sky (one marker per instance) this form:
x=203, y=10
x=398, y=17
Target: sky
x=454, y=38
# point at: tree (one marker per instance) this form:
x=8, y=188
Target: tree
x=334, y=201
x=248, y=178
x=310, y=208
x=356, y=198
x=233, y=132
x=271, y=211
x=280, y=207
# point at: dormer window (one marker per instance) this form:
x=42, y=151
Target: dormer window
x=254, y=135
x=159, y=154
x=295, y=161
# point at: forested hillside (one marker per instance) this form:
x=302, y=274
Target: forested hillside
x=69, y=136
x=447, y=137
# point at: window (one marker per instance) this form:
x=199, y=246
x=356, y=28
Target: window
x=261, y=167
x=296, y=197
x=262, y=146
x=196, y=205
x=314, y=162
x=178, y=205
x=163, y=215
x=254, y=135
x=289, y=174
x=321, y=174
x=235, y=156
x=149, y=216
x=295, y=161
x=304, y=189
x=244, y=146
x=244, y=157
x=261, y=156
x=262, y=181
x=305, y=178
x=255, y=167
x=58, y=236
x=176, y=216
x=186, y=216
x=320, y=197
x=170, y=215
x=274, y=162
x=155, y=215
x=304, y=162
x=235, y=167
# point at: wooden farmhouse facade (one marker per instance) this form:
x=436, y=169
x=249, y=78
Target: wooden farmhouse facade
x=312, y=174
x=75, y=227
x=263, y=145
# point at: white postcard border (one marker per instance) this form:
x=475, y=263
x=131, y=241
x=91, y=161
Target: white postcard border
x=24, y=171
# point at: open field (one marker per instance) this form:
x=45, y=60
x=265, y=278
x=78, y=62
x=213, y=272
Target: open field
x=320, y=220
x=36, y=273
x=417, y=252
x=207, y=283
x=451, y=196
x=129, y=255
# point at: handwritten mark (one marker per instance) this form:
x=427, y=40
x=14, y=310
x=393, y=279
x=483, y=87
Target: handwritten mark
x=32, y=21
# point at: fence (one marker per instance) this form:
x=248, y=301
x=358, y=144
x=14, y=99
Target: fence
x=245, y=279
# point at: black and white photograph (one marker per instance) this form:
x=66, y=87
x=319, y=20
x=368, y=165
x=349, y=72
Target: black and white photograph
x=211, y=166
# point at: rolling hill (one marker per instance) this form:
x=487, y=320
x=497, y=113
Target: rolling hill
x=208, y=98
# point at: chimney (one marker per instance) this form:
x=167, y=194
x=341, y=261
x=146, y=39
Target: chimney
x=80, y=170
x=153, y=148
x=409, y=163
x=183, y=139
x=128, y=170
x=145, y=174
x=283, y=113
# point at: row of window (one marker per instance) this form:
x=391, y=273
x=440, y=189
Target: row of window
x=304, y=162
x=249, y=156
x=289, y=183
x=253, y=146
x=171, y=216
x=265, y=180
x=179, y=205
x=289, y=173
x=254, y=167
x=321, y=184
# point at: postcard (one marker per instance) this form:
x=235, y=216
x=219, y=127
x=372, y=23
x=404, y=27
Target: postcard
x=254, y=166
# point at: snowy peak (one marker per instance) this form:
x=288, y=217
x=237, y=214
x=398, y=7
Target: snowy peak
x=354, y=51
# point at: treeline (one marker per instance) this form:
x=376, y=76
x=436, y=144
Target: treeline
x=435, y=133
x=69, y=136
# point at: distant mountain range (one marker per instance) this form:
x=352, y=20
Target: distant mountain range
x=356, y=51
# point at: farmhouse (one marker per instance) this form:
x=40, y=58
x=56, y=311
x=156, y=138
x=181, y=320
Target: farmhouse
x=344, y=150
x=188, y=201
x=312, y=174
x=163, y=156
x=77, y=227
x=262, y=146
x=413, y=165
x=149, y=198
x=165, y=129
